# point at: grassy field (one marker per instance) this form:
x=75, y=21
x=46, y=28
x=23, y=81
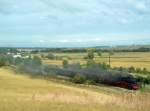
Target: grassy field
x=22, y=93
x=125, y=59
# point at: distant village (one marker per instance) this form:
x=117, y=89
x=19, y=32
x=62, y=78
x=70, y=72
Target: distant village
x=20, y=53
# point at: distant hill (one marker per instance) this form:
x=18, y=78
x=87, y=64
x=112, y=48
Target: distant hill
x=102, y=47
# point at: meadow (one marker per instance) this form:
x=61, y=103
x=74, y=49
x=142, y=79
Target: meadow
x=20, y=92
x=124, y=59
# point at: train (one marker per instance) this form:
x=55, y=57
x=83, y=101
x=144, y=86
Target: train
x=126, y=82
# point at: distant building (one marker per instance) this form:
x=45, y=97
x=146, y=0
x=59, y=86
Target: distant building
x=26, y=57
x=17, y=56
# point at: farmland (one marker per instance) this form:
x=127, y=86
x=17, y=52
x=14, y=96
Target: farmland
x=124, y=59
x=39, y=81
x=21, y=93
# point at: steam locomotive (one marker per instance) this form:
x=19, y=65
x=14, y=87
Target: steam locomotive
x=126, y=82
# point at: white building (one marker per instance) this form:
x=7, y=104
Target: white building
x=17, y=56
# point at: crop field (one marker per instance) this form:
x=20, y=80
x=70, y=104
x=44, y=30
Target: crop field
x=22, y=93
x=124, y=59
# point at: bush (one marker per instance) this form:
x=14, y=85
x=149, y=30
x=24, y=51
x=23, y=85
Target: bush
x=89, y=82
x=36, y=60
x=79, y=79
x=104, y=66
x=58, y=57
x=138, y=70
x=99, y=53
x=50, y=56
x=65, y=63
x=143, y=80
x=91, y=63
x=42, y=56
x=85, y=57
x=18, y=61
x=131, y=69
x=3, y=60
x=111, y=52
x=145, y=71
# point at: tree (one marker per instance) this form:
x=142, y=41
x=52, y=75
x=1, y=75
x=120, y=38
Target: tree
x=42, y=56
x=110, y=54
x=138, y=70
x=65, y=63
x=85, y=57
x=18, y=61
x=50, y=56
x=131, y=69
x=79, y=79
x=145, y=71
x=90, y=64
x=36, y=61
x=3, y=61
x=99, y=53
x=90, y=53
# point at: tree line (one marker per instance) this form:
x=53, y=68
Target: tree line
x=91, y=73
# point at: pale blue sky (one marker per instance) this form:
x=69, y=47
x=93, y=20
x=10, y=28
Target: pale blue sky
x=61, y=23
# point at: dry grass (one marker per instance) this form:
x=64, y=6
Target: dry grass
x=52, y=62
x=21, y=93
x=126, y=59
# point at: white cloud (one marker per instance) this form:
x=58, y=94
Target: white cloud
x=124, y=21
x=64, y=41
x=42, y=41
x=131, y=1
x=139, y=5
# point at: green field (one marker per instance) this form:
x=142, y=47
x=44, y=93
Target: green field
x=22, y=93
x=125, y=59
